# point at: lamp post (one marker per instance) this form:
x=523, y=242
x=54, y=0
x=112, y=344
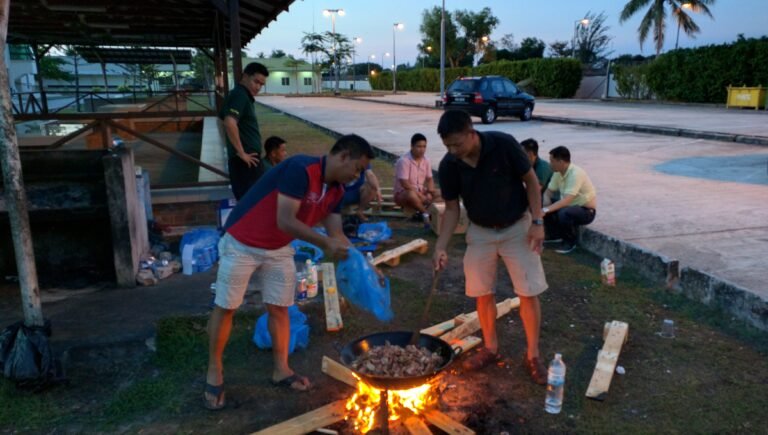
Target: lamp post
x=679, y=11
x=382, y=60
x=481, y=44
x=370, y=59
x=442, y=53
x=583, y=22
x=355, y=40
x=429, y=50
x=332, y=13
x=395, y=28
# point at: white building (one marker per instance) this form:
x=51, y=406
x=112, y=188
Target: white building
x=287, y=76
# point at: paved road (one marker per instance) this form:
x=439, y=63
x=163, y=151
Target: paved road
x=666, y=194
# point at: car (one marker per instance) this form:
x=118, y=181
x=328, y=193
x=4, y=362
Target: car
x=488, y=97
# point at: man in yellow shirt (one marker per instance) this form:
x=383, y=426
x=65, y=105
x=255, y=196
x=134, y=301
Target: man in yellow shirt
x=577, y=204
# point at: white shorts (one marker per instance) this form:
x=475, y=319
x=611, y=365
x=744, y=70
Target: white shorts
x=275, y=273
x=486, y=245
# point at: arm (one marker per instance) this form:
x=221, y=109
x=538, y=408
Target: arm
x=562, y=203
x=373, y=181
x=535, y=235
x=287, y=207
x=233, y=133
x=450, y=221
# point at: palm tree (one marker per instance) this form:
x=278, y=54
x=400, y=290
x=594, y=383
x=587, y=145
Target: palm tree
x=656, y=16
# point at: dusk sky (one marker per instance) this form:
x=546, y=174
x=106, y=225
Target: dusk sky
x=547, y=20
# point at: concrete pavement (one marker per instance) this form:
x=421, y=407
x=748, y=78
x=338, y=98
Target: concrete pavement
x=664, y=194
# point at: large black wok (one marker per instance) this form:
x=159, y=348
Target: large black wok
x=352, y=350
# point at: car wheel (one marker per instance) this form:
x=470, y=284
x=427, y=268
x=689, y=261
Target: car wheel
x=527, y=113
x=489, y=115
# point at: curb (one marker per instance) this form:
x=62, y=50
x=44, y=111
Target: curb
x=692, y=283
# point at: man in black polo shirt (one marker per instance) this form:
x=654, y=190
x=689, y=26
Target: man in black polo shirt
x=242, y=128
x=491, y=174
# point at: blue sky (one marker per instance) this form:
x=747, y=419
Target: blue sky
x=548, y=20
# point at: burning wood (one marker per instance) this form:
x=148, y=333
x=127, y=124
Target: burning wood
x=397, y=361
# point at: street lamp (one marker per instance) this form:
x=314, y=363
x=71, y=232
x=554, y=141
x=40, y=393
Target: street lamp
x=395, y=28
x=481, y=44
x=429, y=50
x=332, y=13
x=679, y=22
x=583, y=22
x=370, y=59
x=355, y=40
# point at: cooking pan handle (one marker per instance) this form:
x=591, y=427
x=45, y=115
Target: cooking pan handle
x=457, y=350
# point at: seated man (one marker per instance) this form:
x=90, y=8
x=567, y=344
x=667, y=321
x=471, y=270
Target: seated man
x=362, y=192
x=578, y=199
x=540, y=167
x=275, y=152
x=414, y=185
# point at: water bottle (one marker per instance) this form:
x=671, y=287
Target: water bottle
x=555, y=385
x=369, y=257
x=311, y=279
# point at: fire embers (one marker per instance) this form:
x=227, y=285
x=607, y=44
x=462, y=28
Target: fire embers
x=362, y=407
x=397, y=361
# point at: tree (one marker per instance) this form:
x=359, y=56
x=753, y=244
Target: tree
x=655, y=19
x=531, y=48
x=202, y=68
x=277, y=54
x=50, y=69
x=560, y=49
x=592, y=41
x=291, y=62
x=334, y=46
x=508, y=42
x=430, y=34
x=477, y=29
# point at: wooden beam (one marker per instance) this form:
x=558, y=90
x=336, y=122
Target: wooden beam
x=416, y=426
x=392, y=256
x=333, y=321
x=338, y=371
x=447, y=424
x=472, y=322
x=306, y=423
x=607, y=358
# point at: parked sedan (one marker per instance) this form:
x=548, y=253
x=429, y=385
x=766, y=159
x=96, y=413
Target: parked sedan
x=488, y=97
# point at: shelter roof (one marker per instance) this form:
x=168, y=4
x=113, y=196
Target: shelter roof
x=159, y=23
x=135, y=55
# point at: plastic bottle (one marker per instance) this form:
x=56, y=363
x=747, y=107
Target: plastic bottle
x=311, y=279
x=369, y=257
x=555, y=385
x=301, y=287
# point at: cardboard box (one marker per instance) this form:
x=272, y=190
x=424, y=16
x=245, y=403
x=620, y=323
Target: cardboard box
x=608, y=272
x=436, y=212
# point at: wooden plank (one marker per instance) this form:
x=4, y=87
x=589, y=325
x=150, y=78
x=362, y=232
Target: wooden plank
x=441, y=328
x=607, y=358
x=416, y=426
x=306, y=423
x=472, y=322
x=466, y=343
x=446, y=424
x=392, y=256
x=333, y=321
x=338, y=371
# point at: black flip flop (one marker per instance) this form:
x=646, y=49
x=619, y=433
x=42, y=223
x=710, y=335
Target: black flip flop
x=290, y=380
x=216, y=391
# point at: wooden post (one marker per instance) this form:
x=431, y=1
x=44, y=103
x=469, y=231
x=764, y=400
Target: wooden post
x=333, y=321
x=15, y=195
x=234, y=38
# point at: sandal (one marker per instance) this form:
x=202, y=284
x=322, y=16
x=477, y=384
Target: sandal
x=219, y=401
x=536, y=369
x=480, y=359
x=291, y=380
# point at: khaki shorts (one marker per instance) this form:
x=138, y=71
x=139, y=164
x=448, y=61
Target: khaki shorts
x=485, y=246
x=275, y=273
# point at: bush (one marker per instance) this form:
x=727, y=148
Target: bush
x=702, y=75
x=631, y=81
x=556, y=78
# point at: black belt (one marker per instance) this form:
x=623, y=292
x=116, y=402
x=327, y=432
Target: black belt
x=499, y=226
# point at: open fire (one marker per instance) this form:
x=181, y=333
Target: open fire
x=364, y=405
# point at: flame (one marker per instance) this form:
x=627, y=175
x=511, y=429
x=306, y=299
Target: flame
x=363, y=406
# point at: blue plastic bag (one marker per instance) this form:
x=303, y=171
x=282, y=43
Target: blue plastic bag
x=374, y=232
x=304, y=251
x=299, y=331
x=362, y=286
x=199, y=249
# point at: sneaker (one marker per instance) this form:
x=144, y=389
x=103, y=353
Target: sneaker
x=417, y=217
x=565, y=248
x=536, y=369
x=553, y=241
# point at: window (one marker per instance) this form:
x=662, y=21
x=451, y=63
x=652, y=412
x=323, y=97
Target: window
x=510, y=87
x=307, y=81
x=286, y=81
x=20, y=52
x=498, y=87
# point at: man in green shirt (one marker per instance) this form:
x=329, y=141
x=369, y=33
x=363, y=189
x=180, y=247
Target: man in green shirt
x=242, y=129
x=540, y=167
x=578, y=200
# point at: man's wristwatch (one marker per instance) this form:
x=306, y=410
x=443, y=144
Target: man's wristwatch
x=538, y=221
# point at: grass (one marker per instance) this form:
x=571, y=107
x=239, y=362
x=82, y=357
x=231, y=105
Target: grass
x=712, y=378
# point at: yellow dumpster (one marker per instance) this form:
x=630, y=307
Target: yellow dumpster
x=753, y=97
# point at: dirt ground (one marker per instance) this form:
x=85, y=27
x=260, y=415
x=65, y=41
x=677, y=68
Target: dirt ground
x=720, y=374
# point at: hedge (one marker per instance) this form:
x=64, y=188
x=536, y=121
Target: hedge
x=556, y=78
x=701, y=75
